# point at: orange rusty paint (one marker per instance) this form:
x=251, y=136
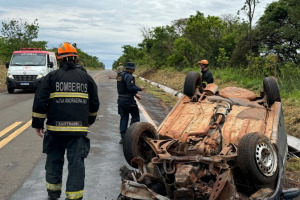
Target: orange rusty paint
x=236, y=92
x=190, y=119
x=211, y=89
x=242, y=120
x=187, y=117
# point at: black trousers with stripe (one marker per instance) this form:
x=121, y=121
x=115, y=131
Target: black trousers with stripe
x=77, y=148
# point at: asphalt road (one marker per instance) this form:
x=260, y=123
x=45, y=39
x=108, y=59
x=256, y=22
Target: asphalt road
x=22, y=174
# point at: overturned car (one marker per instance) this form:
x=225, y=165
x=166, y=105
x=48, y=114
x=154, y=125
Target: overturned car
x=227, y=144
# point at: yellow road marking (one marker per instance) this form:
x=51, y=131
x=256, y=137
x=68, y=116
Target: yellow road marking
x=14, y=134
x=9, y=128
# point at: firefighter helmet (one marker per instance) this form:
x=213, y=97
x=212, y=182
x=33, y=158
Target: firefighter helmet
x=66, y=50
x=203, y=62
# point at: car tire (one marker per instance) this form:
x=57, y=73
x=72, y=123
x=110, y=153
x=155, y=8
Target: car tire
x=10, y=90
x=192, y=81
x=257, y=158
x=271, y=90
x=134, y=142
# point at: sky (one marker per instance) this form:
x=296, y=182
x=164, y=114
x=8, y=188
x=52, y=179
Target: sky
x=101, y=28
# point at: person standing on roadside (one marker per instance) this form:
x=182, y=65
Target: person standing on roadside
x=120, y=68
x=127, y=90
x=206, y=74
x=68, y=98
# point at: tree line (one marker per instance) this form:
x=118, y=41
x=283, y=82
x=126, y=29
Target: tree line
x=270, y=48
x=18, y=33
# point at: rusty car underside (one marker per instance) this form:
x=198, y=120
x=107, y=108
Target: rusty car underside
x=226, y=144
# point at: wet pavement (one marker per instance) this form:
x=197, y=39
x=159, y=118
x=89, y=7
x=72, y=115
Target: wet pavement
x=106, y=155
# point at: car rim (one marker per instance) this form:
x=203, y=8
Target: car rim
x=266, y=158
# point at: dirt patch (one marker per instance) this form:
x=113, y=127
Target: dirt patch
x=173, y=80
x=3, y=89
x=291, y=112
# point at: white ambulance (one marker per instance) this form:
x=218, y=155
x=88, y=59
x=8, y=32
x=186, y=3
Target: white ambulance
x=28, y=67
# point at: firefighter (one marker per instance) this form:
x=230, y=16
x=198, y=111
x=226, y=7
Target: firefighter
x=68, y=98
x=127, y=90
x=206, y=74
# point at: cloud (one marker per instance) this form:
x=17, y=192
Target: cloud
x=101, y=28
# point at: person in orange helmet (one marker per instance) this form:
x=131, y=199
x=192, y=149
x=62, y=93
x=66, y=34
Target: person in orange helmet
x=68, y=99
x=206, y=74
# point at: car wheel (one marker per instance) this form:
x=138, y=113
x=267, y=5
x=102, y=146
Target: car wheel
x=257, y=158
x=192, y=81
x=134, y=142
x=271, y=90
x=10, y=90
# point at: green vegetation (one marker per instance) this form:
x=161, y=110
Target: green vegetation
x=3, y=72
x=293, y=164
x=237, y=50
x=159, y=93
x=18, y=33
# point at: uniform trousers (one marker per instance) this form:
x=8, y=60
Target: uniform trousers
x=77, y=148
x=127, y=106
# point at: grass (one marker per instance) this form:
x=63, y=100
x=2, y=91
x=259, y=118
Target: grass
x=293, y=169
x=159, y=93
x=3, y=72
x=293, y=165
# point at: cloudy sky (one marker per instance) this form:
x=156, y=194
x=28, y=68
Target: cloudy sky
x=102, y=27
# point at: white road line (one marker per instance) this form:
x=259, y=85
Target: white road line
x=147, y=116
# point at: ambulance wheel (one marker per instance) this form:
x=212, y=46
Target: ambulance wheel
x=10, y=90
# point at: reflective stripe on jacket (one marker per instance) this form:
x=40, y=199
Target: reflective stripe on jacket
x=68, y=98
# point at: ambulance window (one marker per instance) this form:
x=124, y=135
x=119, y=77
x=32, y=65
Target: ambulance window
x=28, y=59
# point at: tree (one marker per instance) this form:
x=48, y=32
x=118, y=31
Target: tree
x=278, y=30
x=206, y=35
x=18, y=33
x=249, y=9
x=179, y=25
x=183, y=54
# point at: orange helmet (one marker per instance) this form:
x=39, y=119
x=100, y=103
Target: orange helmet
x=204, y=62
x=66, y=50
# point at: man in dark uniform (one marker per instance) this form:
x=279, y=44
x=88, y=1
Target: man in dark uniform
x=127, y=90
x=68, y=98
x=206, y=74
